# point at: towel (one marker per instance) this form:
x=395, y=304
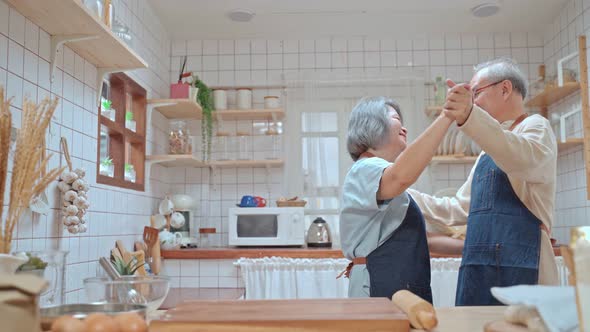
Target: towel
x=556, y=304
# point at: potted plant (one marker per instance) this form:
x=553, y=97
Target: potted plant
x=107, y=110
x=204, y=99
x=106, y=167
x=34, y=265
x=129, y=122
x=130, y=173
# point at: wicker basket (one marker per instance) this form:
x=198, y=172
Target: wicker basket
x=300, y=203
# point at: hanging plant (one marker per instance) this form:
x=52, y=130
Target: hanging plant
x=204, y=99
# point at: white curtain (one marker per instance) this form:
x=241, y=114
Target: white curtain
x=290, y=278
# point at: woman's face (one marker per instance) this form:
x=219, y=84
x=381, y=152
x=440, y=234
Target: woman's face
x=397, y=135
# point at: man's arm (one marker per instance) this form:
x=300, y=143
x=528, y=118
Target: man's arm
x=518, y=154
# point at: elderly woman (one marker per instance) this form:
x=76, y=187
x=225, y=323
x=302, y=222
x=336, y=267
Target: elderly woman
x=381, y=227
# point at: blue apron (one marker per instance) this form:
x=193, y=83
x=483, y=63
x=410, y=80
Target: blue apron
x=403, y=260
x=502, y=244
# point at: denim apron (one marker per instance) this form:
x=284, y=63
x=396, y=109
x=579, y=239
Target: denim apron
x=403, y=260
x=502, y=244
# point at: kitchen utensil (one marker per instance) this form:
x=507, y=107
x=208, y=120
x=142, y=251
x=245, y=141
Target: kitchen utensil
x=109, y=268
x=124, y=253
x=151, y=289
x=139, y=255
x=420, y=312
x=150, y=237
x=156, y=262
x=177, y=220
x=81, y=310
x=318, y=234
x=359, y=314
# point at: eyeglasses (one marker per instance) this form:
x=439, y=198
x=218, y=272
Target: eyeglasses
x=476, y=92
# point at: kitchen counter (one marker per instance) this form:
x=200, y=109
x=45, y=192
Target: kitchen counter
x=177, y=295
x=235, y=253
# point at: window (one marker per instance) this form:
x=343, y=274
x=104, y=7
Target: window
x=121, y=136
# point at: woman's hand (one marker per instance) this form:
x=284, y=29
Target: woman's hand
x=459, y=102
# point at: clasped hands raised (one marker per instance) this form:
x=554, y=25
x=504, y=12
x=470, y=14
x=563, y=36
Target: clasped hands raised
x=459, y=101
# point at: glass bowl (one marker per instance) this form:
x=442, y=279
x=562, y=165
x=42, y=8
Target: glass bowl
x=148, y=290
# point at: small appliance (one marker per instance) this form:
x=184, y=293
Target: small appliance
x=266, y=226
x=318, y=234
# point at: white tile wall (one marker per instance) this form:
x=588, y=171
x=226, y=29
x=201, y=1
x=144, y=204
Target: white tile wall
x=24, y=71
x=559, y=40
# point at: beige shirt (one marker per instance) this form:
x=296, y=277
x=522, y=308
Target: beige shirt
x=528, y=155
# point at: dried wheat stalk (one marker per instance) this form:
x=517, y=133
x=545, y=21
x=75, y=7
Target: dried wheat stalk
x=29, y=160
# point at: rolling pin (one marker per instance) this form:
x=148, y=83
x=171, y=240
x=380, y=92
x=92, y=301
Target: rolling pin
x=420, y=313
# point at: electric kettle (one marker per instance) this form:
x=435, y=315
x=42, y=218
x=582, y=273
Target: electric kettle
x=318, y=234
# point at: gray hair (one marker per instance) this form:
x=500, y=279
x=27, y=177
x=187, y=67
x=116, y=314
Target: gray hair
x=369, y=124
x=504, y=68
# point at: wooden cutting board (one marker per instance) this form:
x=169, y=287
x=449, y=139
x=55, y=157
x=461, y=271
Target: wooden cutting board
x=334, y=315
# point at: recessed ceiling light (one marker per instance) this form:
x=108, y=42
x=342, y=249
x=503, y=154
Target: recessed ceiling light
x=240, y=15
x=485, y=9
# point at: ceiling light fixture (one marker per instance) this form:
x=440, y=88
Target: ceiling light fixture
x=485, y=9
x=240, y=15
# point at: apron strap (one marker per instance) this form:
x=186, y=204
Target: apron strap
x=518, y=120
x=356, y=260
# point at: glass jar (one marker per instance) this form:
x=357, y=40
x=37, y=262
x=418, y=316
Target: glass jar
x=179, y=141
x=244, y=99
x=244, y=151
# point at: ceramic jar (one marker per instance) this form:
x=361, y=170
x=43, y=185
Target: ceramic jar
x=271, y=102
x=244, y=99
x=220, y=99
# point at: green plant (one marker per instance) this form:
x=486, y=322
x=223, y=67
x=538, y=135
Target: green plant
x=204, y=99
x=128, y=116
x=106, y=104
x=106, y=161
x=128, y=167
x=34, y=263
x=126, y=269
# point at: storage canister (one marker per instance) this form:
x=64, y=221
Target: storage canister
x=244, y=99
x=271, y=102
x=220, y=99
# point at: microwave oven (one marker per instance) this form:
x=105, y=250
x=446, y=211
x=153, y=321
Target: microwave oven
x=266, y=226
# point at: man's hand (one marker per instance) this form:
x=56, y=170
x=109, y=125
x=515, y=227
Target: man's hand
x=459, y=102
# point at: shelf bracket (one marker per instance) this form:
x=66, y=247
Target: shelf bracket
x=100, y=74
x=57, y=41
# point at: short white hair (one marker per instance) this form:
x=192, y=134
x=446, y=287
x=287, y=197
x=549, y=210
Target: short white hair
x=369, y=124
x=501, y=69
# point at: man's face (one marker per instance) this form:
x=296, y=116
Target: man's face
x=488, y=94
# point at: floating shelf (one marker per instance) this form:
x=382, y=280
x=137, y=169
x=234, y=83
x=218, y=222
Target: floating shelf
x=253, y=114
x=453, y=159
x=553, y=94
x=191, y=161
x=433, y=110
x=177, y=108
x=94, y=41
x=570, y=142
x=252, y=87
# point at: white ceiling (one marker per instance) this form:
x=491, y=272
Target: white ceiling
x=201, y=19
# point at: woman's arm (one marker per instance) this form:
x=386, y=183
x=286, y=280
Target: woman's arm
x=413, y=160
x=444, y=245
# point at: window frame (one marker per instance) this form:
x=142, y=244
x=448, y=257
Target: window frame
x=124, y=144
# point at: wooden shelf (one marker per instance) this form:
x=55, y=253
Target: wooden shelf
x=453, y=159
x=177, y=108
x=253, y=114
x=553, y=94
x=570, y=142
x=70, y=19
x=433, y=110
x=253, y=87
x=191, y=161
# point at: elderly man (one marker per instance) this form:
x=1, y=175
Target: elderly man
x=509, y=196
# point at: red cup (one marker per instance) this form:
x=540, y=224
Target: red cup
x=260, y=202
x=179, y=90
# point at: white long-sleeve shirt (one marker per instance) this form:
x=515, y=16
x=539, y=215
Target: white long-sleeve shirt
x=528, y=156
